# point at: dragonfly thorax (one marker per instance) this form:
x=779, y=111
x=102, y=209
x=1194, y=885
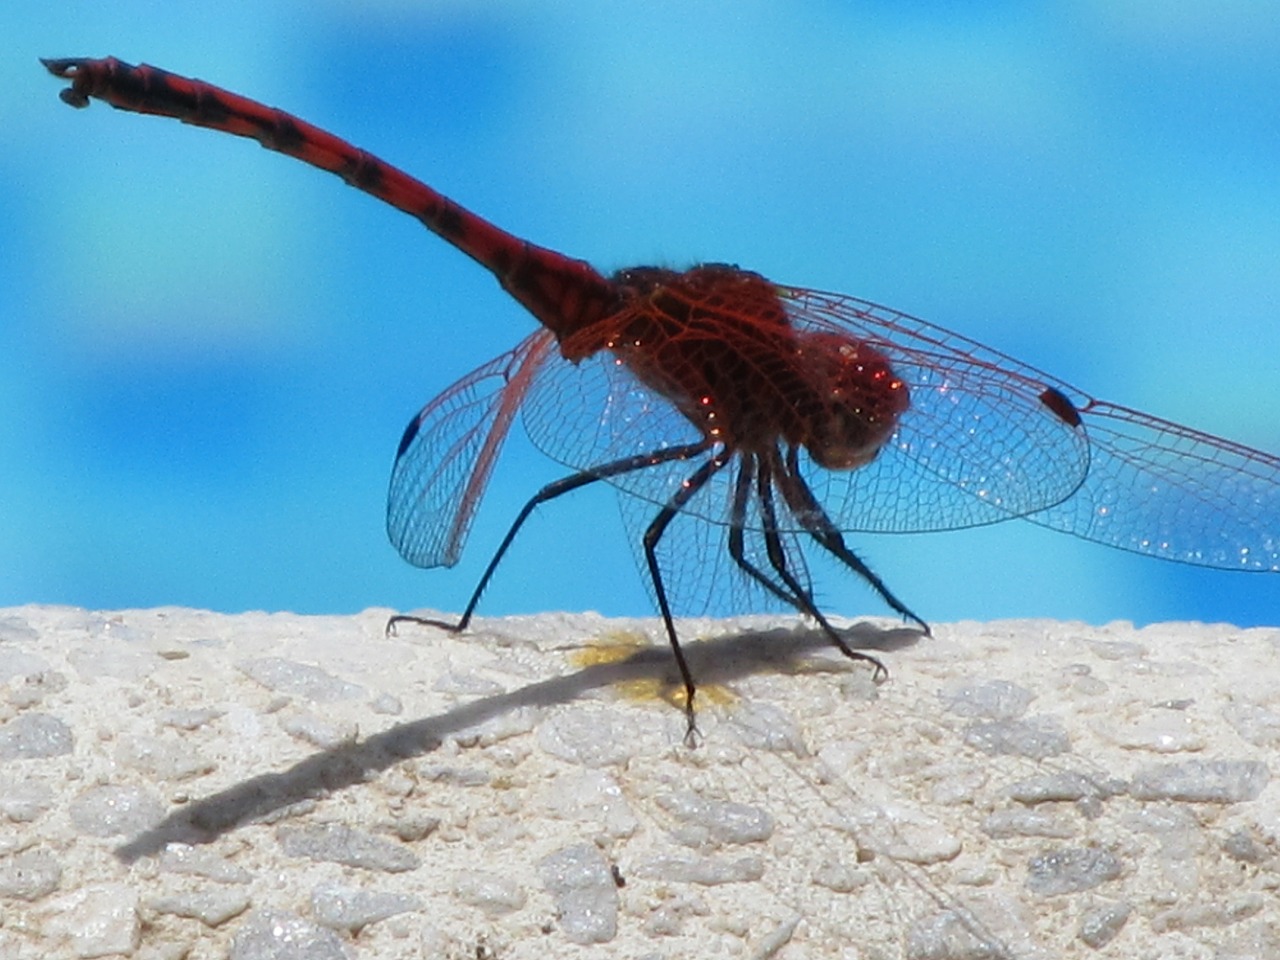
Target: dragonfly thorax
x=718, y=343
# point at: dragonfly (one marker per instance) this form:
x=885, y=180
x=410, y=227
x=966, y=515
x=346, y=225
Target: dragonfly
x=761, y=420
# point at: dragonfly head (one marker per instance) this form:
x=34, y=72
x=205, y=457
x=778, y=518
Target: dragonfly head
x=855, y=403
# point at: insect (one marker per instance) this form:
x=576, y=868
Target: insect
x=772, y=418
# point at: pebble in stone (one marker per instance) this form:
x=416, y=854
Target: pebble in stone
x=495, y=894
x=1117, y=649
x=1219, y=913
x=337, y=843
x=777, y=938
x=110, y=811
x=906, y=833
x=1027, y=823
x=1253, y=723
x=465, y=683
x=591, y=737
x=387, y=705
x=17, y=630
x=1099, y=925
x=29, y=875
x=1067, y=785
x=212, y=907
x=715, y=822
x=19, y=663
x=1201, y=781
x=458, y=776
x=161, y=759
x=299, y=680
x=705, y=871
x=1165, y=732
x=35, y=688
x=413, y=825
x=949, y=935
x=24, y=800
x=1244, y=845
x=766, y=726
x=841, y=877
x=189, y=718
x=1037, y=738
x=986, y=699
x=34, y=736
x=1070, y=870
x=120, y=663
x=110, y=626
x=282, y=935
x=96, y=921
x=592, y=795
x=501, y=726
x=322, y=732
x=352, y=909
x=582, y=887
x=199, y=862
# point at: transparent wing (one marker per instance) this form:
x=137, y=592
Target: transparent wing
x=977, y=445
x=1167, y=491
x=698, y=572
x=1150, y=486
x=448, y=452
x=985, y=438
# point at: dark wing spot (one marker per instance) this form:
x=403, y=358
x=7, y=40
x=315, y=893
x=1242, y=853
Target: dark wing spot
x=410, y=432
x=1063, y=409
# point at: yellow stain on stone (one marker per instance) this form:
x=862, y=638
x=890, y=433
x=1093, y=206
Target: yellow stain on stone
x=615, y=646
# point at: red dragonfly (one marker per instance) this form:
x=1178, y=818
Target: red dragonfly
x=774, y=417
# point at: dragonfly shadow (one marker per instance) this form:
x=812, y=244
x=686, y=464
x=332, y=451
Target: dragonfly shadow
x=716, y=660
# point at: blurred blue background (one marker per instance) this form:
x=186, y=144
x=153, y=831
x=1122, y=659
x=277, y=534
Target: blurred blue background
x=209, y=352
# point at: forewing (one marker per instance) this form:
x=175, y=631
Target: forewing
x=977, y=444
x=1121, y=478
x=981, y=441
x=985, y=438
x=1167, y=491
x=448, y=452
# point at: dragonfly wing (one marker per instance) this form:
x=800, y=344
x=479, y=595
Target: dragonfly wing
x=699, y=574
x=448, y=452
x=984, y=439
x=1164, y=490
x=1130, y=480
x=595, y=412
x=977, y=445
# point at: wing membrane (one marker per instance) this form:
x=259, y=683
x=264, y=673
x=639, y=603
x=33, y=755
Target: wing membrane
x=449, y=450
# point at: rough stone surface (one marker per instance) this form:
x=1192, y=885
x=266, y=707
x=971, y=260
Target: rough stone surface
x=584, y=891
x=182, y=784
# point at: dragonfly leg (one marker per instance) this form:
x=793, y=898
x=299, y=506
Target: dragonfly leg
x=652, y=536
x=552, y=490
x=549, y=492
x=736, y=545
x=818, y=525
x=776, y=551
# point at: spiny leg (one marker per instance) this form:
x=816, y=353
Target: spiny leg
x=804, y=505
x=777, y=553
x=737, y=522
x=550, y=492
x=652, y=535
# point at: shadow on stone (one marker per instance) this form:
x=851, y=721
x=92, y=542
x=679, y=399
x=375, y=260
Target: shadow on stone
x=272, y=795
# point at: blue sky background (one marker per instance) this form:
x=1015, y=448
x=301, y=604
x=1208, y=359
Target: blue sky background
x=209, y=352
